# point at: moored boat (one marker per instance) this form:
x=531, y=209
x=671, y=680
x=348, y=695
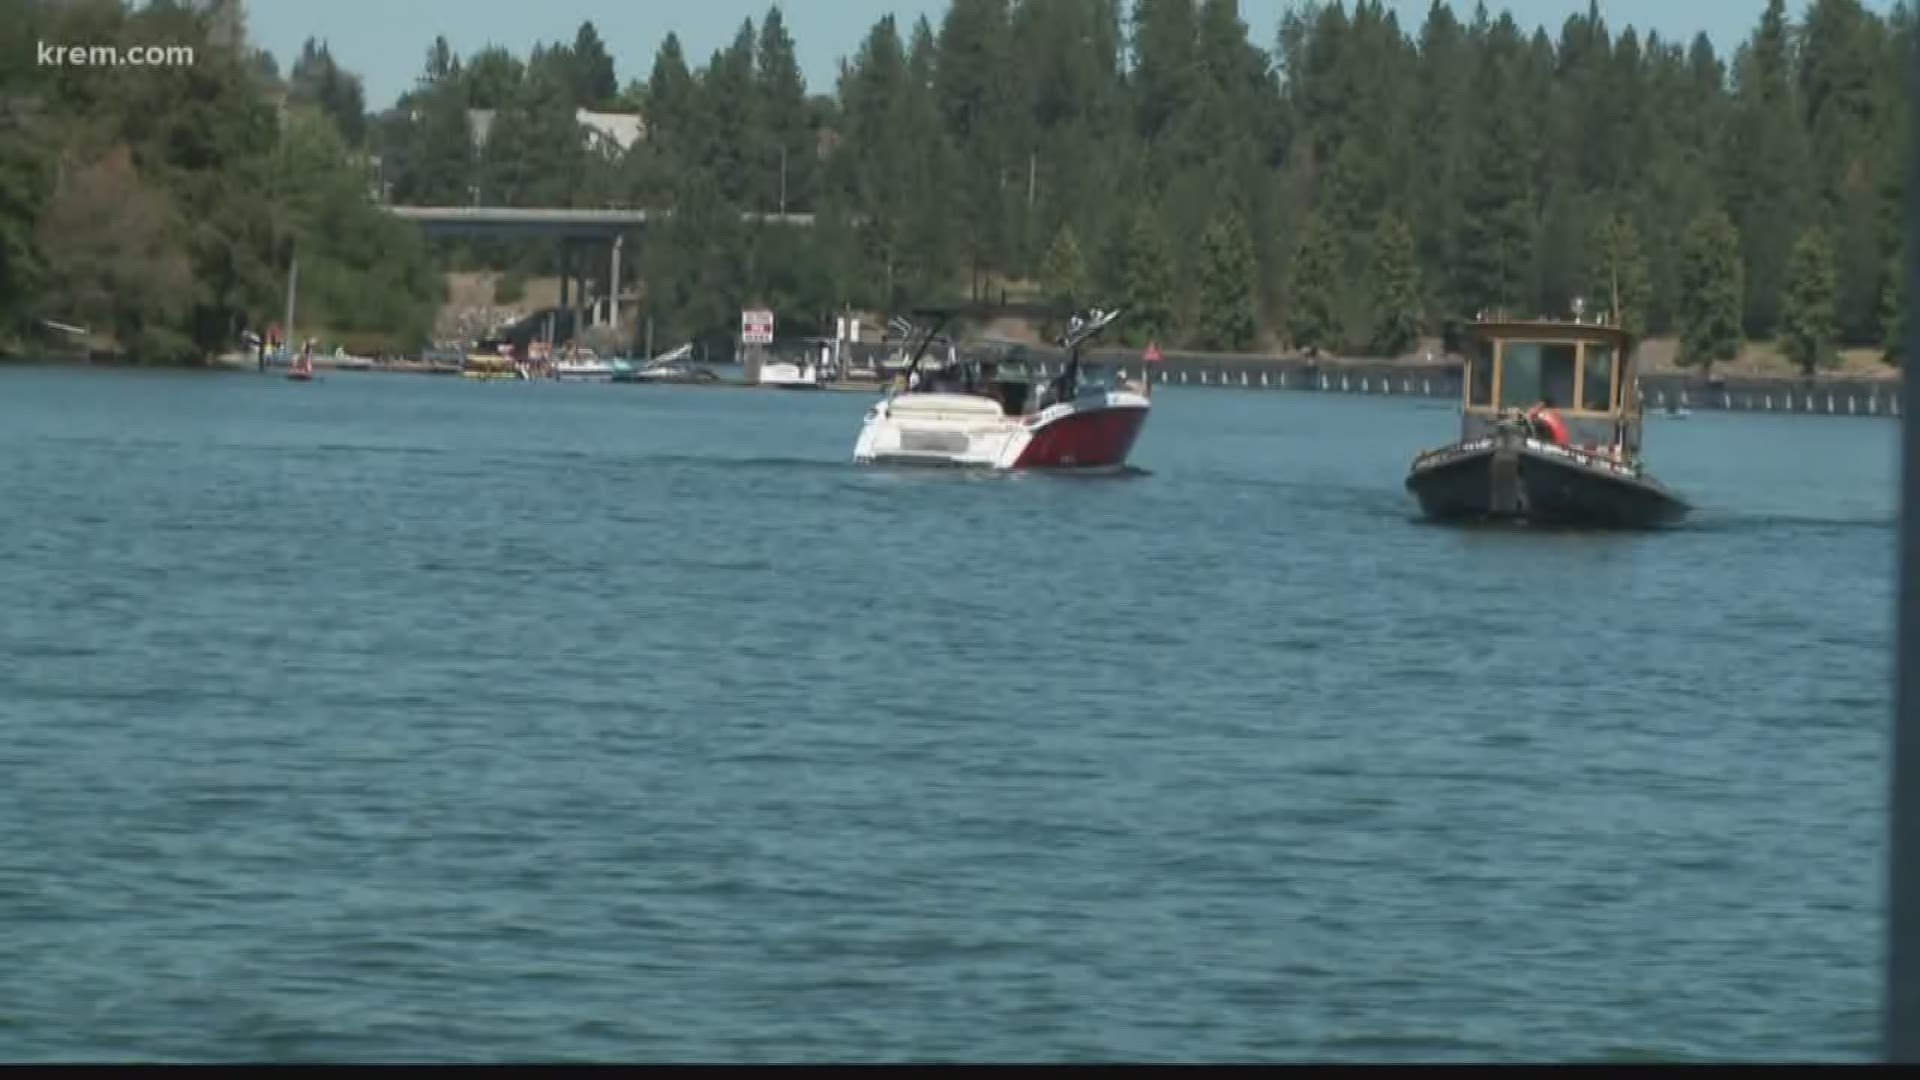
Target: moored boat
x=582, y=365
x=984, y=414
x=489, y=365
x=1550, y=432
x=802, y=374
x=674, y=366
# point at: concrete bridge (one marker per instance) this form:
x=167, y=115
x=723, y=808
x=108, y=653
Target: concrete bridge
x=603, y=225
x=575, y=229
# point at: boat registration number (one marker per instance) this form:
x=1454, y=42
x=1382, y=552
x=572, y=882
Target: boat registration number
x=933, y=442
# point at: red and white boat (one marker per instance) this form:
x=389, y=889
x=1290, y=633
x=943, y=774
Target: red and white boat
x=991, y=414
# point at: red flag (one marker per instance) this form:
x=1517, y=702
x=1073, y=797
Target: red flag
x=1152, y=355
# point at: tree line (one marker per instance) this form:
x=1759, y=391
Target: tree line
x=1351, y=188
x=158, y=207
x=1338, y=182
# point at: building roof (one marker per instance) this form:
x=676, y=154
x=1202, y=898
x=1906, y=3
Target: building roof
x=620, y=130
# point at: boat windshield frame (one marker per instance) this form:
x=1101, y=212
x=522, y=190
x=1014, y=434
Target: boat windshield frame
x=1081, y=327
x=1488, y=344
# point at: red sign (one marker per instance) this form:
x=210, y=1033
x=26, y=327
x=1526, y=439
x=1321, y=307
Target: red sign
x=756, y=327
x=1152, y=355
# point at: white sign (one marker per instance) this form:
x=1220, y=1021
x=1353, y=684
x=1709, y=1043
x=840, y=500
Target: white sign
x=756, y=327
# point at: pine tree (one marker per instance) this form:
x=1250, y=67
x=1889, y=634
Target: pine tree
x=975, y=89
x=491, y=77
x=1807, y=310
x=442, y=64
x=1563, y=250
x=1228, y=307
x=1497, y=219
x=671, y=124
x=1311, y=292
x=1711, y=292
x=727, y=107
x=435, y=166
x=26, y=173
x=316, y=78
x=534, y=151
x=1766, y=164
x=1442, y=114
x=1617, y=280
x=1149, y=294
x=876, y=96
x=1396, y=288
x=928, y=259
x=783, y=131
x=1063, y=273
x=1893, y=312
x=696, y=268
x=593, y=84
x=1166, y=73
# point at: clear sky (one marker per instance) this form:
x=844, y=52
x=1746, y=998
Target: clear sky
x=385, y=41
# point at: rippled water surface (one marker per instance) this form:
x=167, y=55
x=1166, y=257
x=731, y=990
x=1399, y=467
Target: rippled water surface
x=392, y=717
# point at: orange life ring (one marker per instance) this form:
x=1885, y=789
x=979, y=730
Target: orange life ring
x=1550, y=420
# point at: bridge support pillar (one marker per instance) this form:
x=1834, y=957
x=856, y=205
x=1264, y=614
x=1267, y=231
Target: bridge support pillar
x=613, y=284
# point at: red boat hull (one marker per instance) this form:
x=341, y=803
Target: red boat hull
x=1094, y=438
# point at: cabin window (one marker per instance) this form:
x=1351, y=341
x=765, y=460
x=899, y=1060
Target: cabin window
x=1532, y=371
x=1597, y=382
x=1557, y=374
x=1480, y=373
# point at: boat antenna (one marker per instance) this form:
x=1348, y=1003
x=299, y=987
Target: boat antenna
x=939, y=320
x=1080, y=328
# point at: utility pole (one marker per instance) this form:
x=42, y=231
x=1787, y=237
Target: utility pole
x=783, y=181
x=613, y=285
x=293, y=281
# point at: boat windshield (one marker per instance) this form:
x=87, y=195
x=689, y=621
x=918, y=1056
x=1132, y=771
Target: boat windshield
x=1096, y=375
x=1534, y=371
x=1596, y=384
x=1480, y=373
x=1015, y=371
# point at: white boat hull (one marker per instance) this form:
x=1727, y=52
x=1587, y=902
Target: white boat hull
x=1095, y=430
x=583, y=373
x=787, y=376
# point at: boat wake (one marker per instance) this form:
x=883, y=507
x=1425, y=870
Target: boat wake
x=1709, y=522
x=1115, y=472
x=972, y=473
x=1736, y=521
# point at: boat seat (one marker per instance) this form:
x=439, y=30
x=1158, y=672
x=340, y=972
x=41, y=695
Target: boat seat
x=959, y=406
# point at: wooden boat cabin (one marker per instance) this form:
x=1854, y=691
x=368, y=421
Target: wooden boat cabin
x=1580, y=368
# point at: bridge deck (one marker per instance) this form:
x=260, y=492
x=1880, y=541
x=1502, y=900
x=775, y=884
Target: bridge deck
x=594, y=224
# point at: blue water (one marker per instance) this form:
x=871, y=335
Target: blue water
x=393, y=717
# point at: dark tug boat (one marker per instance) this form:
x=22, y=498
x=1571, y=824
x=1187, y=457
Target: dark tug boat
x=1550, y=427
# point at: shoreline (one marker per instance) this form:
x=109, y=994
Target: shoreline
x=1172, y=361
x=1825, y=393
